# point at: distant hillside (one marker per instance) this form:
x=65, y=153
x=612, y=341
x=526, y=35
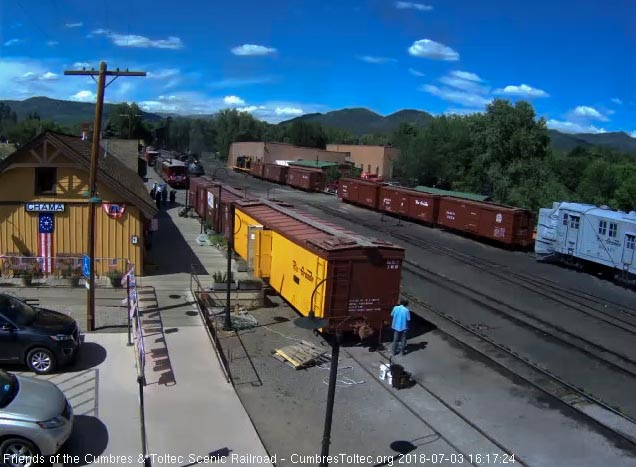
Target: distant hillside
x=63, y=112
x=620, y=141
x=363, y=121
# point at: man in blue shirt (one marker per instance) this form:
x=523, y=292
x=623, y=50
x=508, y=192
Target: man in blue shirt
x=401, y=317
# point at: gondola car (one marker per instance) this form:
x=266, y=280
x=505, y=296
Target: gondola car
x=584, y=234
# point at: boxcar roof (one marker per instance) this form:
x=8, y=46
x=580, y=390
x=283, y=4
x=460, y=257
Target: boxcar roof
x=455, y=194
x=313, y=164
x=304, y=228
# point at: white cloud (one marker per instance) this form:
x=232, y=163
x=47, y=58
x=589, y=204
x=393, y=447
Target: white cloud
x=288, y=111
x=415, y=72
x=251, y=108
x=465, y=81
x=467, y=99
x=233, y=100
x=573, y=127
x=163, y=73
x=412, y=6
x=466, y=75
x=11, y=42
x=52, y=43
x=32, y=76
x=253, y=50
x=426, y=48
x=81, y=65
x=134, y=40
x=84, y=96
x=633, y=134
x=523, y=90
x=460, y=111
x=74, y=25
x=586, y=112
x=375, y=60
x=239, y=82
x=616, y=100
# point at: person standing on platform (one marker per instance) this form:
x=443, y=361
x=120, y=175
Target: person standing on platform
x=158, y=197
x=164, y=195
x=401, y=317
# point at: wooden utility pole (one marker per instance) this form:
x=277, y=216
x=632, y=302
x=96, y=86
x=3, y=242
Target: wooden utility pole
x=102, y=73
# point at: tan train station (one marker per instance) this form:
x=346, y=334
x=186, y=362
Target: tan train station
x=44, y=210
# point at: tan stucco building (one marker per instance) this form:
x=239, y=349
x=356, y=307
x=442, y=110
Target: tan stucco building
x=377, y=160
x=270, y=153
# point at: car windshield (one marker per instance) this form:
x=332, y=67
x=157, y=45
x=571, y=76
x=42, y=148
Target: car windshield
x=16, y=311
x=8, y=388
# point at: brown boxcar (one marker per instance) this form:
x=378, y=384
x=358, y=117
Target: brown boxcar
x=412, y=204
x=219, y=197
x=306, y=179
x=256, y=169
x=318, y=267
x=509, y=225
x=358, y=191
x=275, y=173
x=197, y=194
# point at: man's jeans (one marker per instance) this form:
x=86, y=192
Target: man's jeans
x=399, y=340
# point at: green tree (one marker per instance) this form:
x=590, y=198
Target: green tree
x=232, y=126
x=308, y=134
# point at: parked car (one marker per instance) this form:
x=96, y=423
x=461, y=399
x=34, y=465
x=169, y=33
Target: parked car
x=36, y=419
x=41, y=338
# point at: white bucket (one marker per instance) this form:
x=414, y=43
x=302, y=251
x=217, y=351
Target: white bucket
x=385, y=371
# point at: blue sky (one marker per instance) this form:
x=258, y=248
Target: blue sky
x=573, y=59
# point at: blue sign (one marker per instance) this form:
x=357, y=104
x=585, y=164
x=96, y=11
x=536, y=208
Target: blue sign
x=44, y=207
x=86, y=265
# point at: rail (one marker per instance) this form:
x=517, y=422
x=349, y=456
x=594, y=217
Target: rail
x=211, y=325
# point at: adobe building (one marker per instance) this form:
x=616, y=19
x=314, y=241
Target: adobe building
x=44, y=208
x=376, y=160
x=241, y=154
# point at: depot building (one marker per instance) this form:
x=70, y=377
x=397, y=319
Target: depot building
x=44, y=208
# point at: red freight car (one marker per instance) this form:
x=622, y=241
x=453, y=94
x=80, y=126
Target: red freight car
x=358, y=191
x=256, y=169
x=412, y=204
x=197, y=194
x=275, y=173
x=219, y=197
x=504, y=224
x=306, y=179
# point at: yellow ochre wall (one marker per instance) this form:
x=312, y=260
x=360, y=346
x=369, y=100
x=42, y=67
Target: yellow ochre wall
x=19, y=229
x=286, y=261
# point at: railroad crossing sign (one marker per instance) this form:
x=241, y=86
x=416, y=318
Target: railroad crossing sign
x=86, y=265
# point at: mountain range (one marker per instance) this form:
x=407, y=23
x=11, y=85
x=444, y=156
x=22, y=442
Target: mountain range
x=358, y=121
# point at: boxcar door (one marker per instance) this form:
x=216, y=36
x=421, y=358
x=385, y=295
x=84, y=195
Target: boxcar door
x=628, y=249
x=252, y=251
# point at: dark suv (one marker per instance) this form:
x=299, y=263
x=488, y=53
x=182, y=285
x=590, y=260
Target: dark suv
x=43, y=339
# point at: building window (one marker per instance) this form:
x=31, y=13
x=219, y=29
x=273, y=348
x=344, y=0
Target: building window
x=602, y=227
x=613, y=230
x=369, y=168
x=45, y=180
x=377, y=170
x=574, y=222
x=629, y=241
x=565, y=219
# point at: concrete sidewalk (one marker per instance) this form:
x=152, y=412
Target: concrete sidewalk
x=191, y=411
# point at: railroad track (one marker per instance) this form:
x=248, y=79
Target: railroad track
x=562, y=391
x=473, y=425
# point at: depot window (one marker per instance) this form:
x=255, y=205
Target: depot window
x=45, y=179
x=574, y=222
x=565, y=219
x=613, y=229
x=602, y=227
x=629, y=242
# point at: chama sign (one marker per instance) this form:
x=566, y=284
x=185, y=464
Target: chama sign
x=44, y=207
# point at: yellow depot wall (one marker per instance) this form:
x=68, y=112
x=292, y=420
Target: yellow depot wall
x=19, y=229
x=295, y=273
